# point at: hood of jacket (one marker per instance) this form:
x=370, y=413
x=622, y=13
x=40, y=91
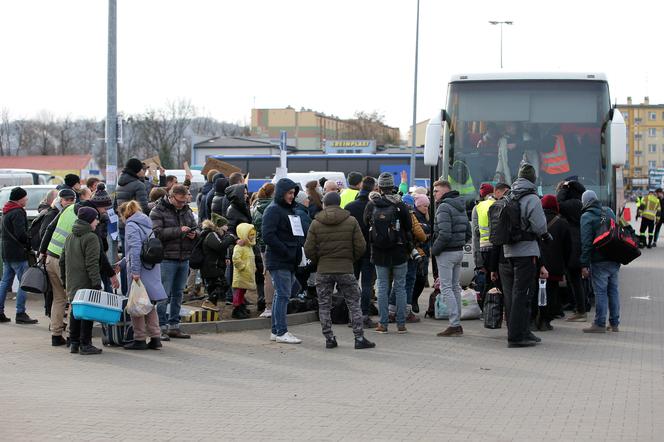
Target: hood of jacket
x=573, y=191
x=283, y=186
x=244, y=230
x=387, y=200
x=454, y=199
x=235, y=194
x=594, y=207
x=262, y=203
x=127, y=177
x=11, y=205
x=141, y=219
x=522, y=186
x=220, y=185
x=80, y=228
x=332, y=215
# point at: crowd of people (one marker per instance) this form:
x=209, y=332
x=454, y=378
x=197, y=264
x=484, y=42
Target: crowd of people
x=371, y=238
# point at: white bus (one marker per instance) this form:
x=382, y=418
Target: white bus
x=562, y=123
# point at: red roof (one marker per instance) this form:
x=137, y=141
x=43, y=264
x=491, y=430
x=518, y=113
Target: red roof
x=46, y=162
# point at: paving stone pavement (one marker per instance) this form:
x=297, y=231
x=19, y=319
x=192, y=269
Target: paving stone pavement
x=239, y=386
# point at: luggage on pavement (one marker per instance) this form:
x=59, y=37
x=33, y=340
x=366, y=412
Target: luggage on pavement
x=120, y=333
x=493, y=309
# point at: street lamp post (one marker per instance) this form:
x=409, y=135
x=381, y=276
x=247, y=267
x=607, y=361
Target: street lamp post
x=111, y=100
x=501, y=23
x=411, y=181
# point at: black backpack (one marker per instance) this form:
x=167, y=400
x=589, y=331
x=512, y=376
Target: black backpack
x=383, y=231
x=33, y=231
x=505, y=221
x=197, y=257
x=152, y=251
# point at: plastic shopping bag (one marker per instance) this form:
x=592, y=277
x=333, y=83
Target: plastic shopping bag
x=470, y=309
x=139, y=302
x=441, y=309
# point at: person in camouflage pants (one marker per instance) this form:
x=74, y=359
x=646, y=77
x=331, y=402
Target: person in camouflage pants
x=334, y=242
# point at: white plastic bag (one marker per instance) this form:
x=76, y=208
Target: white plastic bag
x=470, y=309
x=441, y=309
x=139, y=302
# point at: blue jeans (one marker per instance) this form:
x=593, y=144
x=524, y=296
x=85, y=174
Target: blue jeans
x=9, y=270
x=283, y=281
x=383, y=291
x=173, y=277
x=604, y=276
x=410, y=284
x=366, y=268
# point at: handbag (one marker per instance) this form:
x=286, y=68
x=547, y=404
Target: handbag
x=615, y=241
x=35, y=279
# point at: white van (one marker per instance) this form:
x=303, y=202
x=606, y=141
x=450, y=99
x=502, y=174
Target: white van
x=15, y=179
x=38, y=176
x=302, y=178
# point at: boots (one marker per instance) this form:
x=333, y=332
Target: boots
x=136, y=345
x=74, y=346
x=89, y=349
x=57, y=341
x=331, y=342
x=239, y=313
x=362, y=343
x=154, y=344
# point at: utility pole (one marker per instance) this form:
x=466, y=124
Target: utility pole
x=414, y=127
x=111, y=100
x=501, y=23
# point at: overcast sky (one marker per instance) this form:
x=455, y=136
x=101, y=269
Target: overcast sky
x=335, y=57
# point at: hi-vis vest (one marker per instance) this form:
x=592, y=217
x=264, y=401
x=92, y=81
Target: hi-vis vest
x=467, y=188
x=555, y=162
x=483, y=221
x=62, y=231
x=651, y=209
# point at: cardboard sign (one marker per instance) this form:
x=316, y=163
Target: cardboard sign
x=221, y=166
x=153, y=161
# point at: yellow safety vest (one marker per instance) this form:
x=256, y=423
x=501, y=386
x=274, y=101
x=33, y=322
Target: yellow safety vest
x=483, y=221
x=348, y=195
x=652, y=207
x=62, y=231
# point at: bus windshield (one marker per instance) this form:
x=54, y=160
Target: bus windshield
x=554, y=125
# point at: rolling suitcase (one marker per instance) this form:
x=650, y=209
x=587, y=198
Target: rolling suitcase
x=118, y=334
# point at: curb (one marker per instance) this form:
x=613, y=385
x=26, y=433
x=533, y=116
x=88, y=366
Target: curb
x=234, y=325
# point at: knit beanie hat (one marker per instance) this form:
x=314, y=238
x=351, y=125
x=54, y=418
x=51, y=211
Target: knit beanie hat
x=100, y=198
x=219, y=220
x=87, y=214
x=301, y=197
x=71, y=179
x=386, y=180
x=527, y=171
x=550, y=202
x=354, y=178
x=421, y=200
x=588, y=197
x=67, y=194
x=408, y=200
x=421, y=190
x=331, y=199
x=134, y=165
x=17, y=193
x=485, y=189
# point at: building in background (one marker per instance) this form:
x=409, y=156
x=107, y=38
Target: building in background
x=419, y=134
x=645, y=141
x=233, y=146
x=308, y=130
x=59, y=165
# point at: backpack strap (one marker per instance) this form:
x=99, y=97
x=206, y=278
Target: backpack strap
x=553, y=221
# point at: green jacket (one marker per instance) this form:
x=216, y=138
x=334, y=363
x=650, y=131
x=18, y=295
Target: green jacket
x=79, y=262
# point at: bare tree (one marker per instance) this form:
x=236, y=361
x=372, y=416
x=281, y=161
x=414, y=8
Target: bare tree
x=63, y=131
x=371, y=126
x=5, y=132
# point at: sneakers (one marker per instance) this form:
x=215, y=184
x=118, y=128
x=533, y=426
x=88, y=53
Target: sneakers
x=412, y=318
x=239, y=313
x=4, y=318
x=209, y=305
x=451, y=332
x=288, y=338
x=89, y=349
x=57, y=341
x=368, y=323
x=136, y=345
x=23, y=318
x=578, y=317
x=164, y=336
x=362, y=343
x=380, y=328
x=331, y=342
x=612, y=328
x=273, y=337
x=267, y=313
x=594, y=329
x=401, y=329
x=155, y=344
x=177, y=333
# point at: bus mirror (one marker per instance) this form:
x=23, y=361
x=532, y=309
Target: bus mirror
x=618, y=139
x=432, y=139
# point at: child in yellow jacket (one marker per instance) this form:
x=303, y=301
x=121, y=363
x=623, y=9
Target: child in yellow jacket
x=244, y=268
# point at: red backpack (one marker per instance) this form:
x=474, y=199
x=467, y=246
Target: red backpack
x=616, y=242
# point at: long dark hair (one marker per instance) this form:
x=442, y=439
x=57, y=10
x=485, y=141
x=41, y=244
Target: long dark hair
x=313, y=194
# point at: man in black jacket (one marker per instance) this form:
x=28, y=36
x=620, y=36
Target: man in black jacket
x=363, y=265
x=15, y=249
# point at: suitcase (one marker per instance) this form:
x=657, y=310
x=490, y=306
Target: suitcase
x=119, y=334
x=493, y=309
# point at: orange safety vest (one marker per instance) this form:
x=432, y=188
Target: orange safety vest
x=555, y=162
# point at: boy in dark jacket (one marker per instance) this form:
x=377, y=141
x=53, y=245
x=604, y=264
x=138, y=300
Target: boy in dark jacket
x=15, y=249
x=215, y=250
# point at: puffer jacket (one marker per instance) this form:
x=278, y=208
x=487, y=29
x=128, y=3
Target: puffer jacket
x=167, y=222
x=283, y=249
x=217, y=205
x=202, y=209
x=571, y=207
x=335, y=241
x=79, y=262
x=257, y=211
x=303, y=212
x=131, y=187
x=451, y=228
x=207, y=199
x=137, y=229
x=215, y=250
x=244, y=258
x=556, y=254
x=238, y=211
x=590, y=224
x=532, y=220
x=14, y=220
x=394, y=254
x=48, y=217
